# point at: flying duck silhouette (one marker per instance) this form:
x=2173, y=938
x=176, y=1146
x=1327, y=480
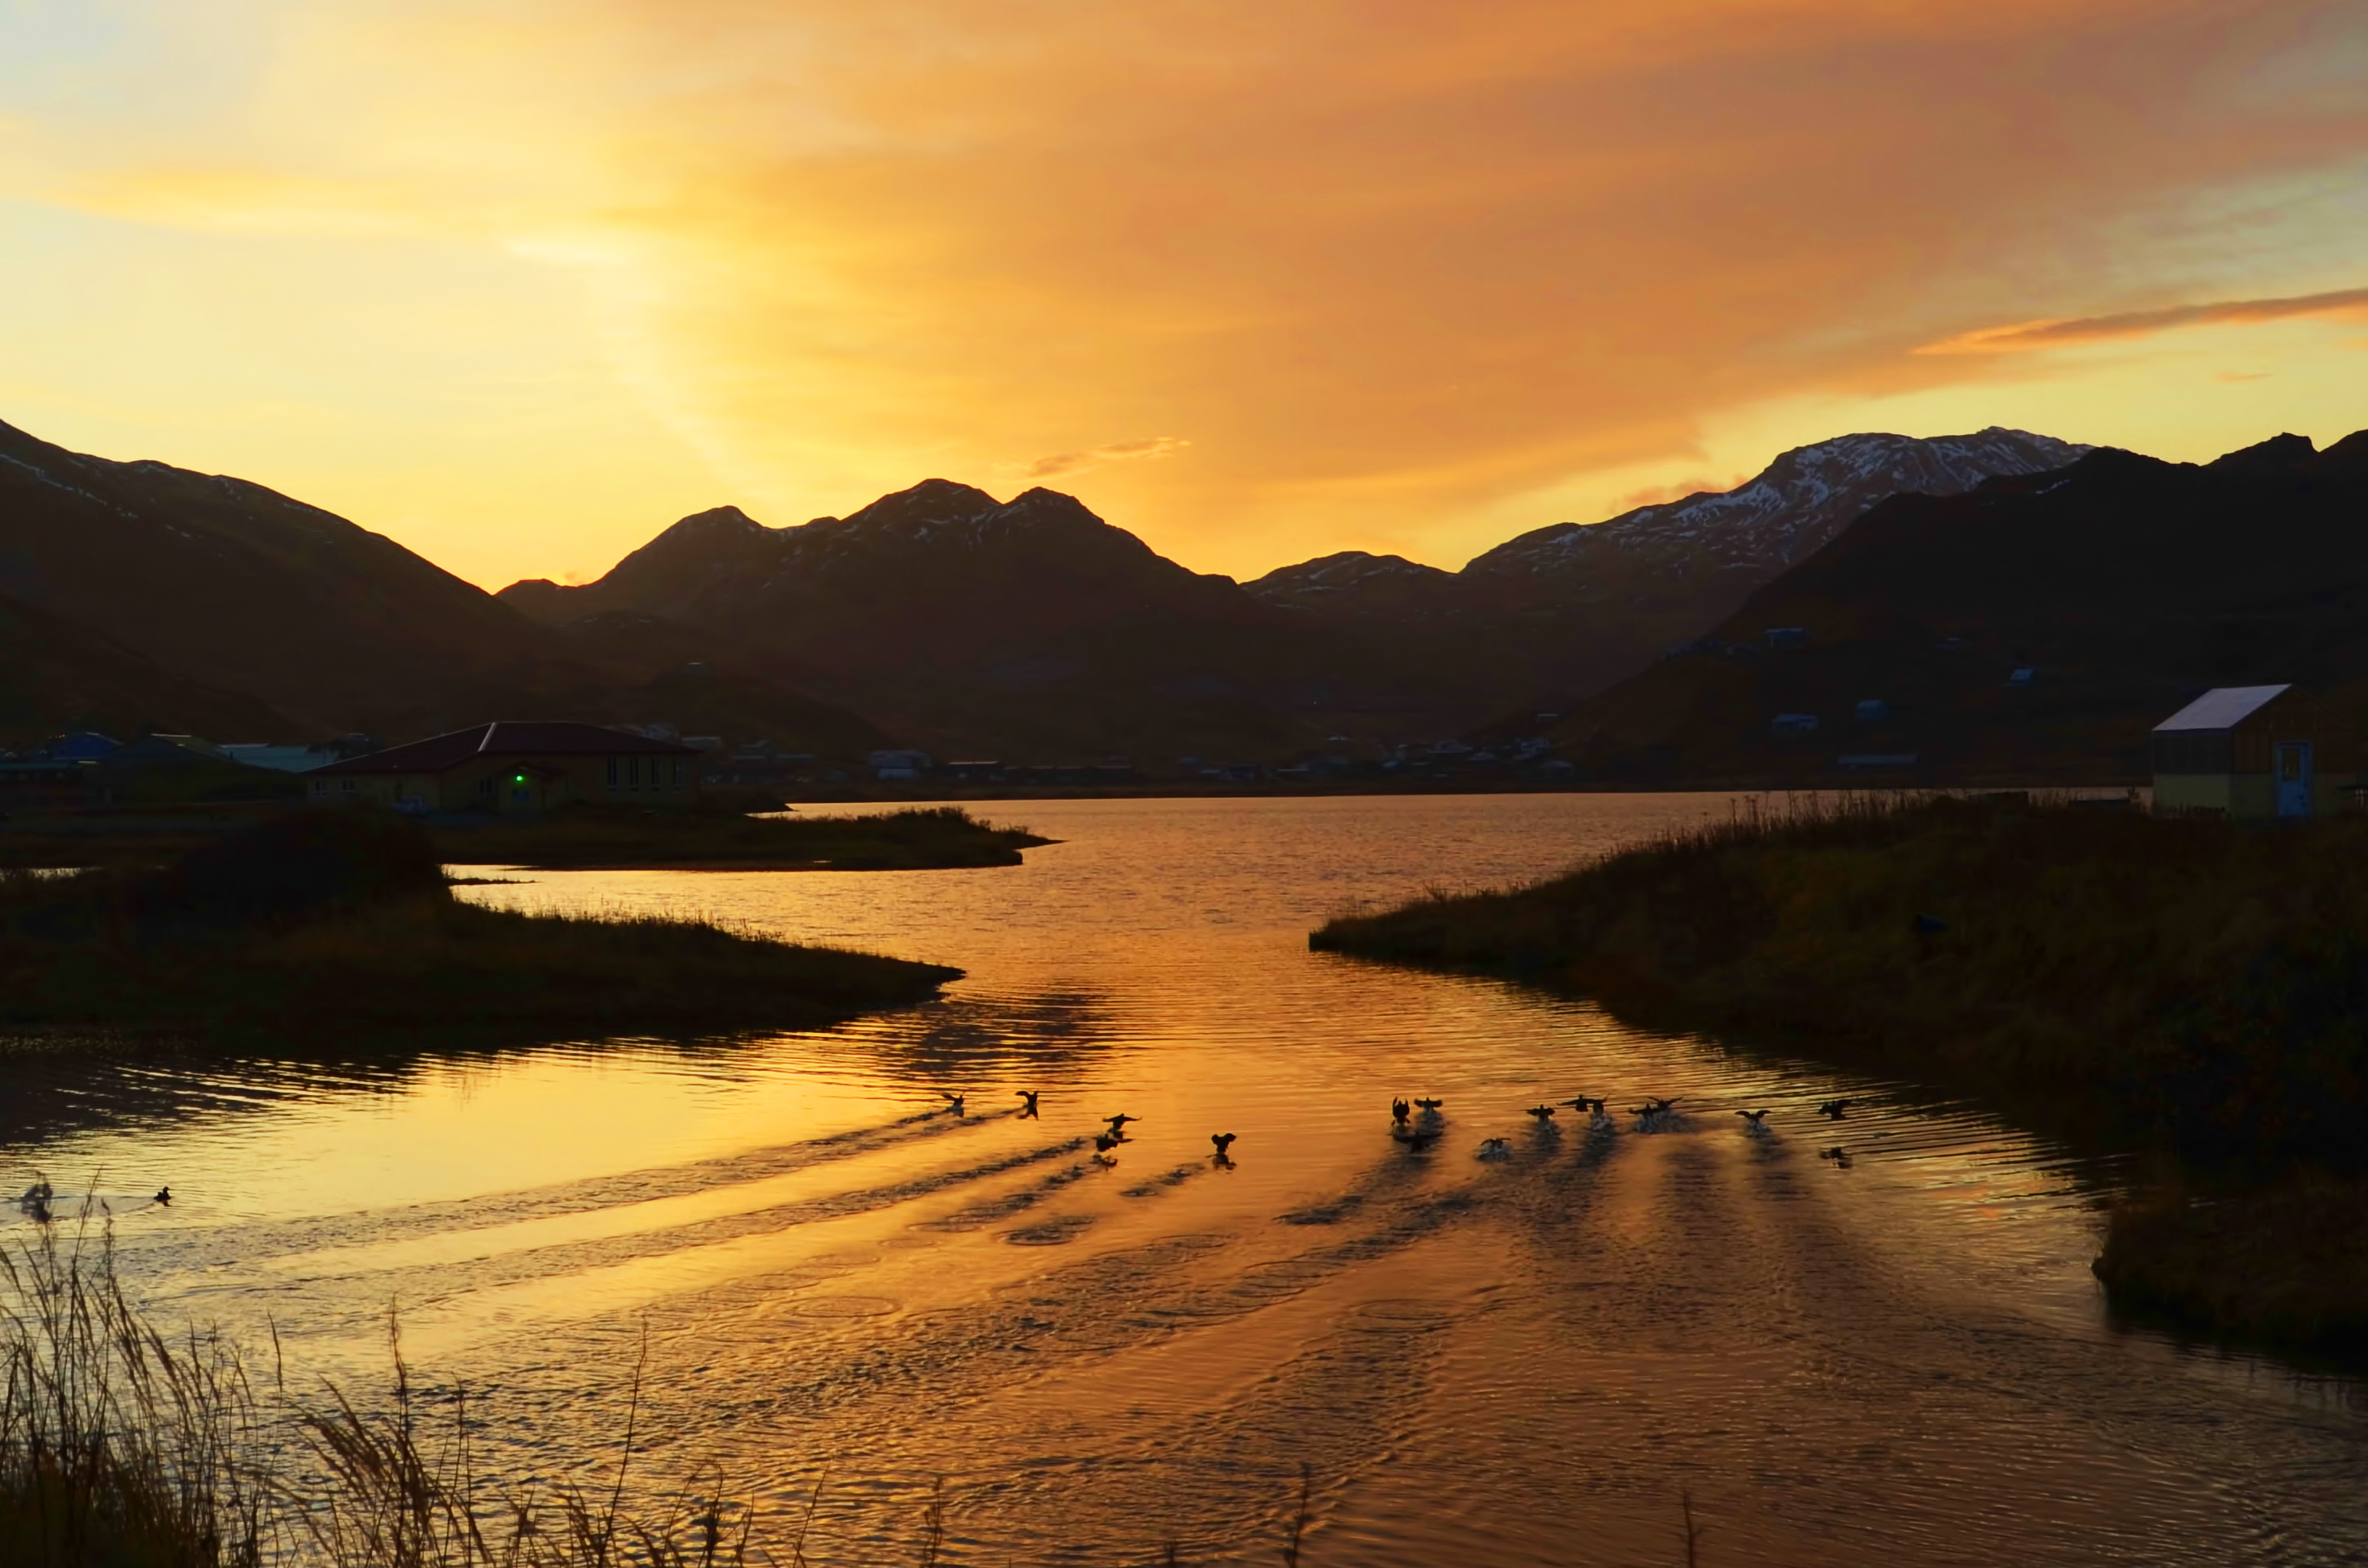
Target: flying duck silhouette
x=1028, y=1110
x=1118, y=1123
x=1833, y=1110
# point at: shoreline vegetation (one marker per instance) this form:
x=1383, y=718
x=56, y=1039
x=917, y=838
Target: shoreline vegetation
x=2194, y=988
x=723, y=835
x=343, y=919
x=603, y=838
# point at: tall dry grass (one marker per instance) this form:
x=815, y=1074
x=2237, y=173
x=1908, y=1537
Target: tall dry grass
x=123, y=1446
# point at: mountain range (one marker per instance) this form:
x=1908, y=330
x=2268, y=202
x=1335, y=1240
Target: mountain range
x=1027, y=630
x=1033, y=627
x=136, y=595
x=2120, y=586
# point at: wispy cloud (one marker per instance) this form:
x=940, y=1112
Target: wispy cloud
x=1118, y=452
x=2023, y=336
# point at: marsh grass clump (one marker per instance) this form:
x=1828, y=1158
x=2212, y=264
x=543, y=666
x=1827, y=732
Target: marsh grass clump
x=604, y=837
x=119, y=1443
x=343, y=918
x=2114, y=977
x=123, y=1446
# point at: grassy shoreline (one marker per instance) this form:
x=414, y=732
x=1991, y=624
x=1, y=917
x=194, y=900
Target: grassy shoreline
x=2111, y=978
x=343, y=920
x=576, y=839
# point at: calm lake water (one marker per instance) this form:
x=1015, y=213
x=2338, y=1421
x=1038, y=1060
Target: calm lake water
x=1902, y=1361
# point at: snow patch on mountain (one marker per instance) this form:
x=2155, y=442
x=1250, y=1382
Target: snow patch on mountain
x=1797, y=505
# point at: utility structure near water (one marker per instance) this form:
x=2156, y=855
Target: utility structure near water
x=2253, y=752
x=510, y=768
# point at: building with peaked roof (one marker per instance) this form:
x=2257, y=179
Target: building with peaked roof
x=512, y=768
x=2253, y=752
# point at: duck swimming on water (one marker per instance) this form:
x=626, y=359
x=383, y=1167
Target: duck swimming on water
x=163, y=1195
x=1224, y=1141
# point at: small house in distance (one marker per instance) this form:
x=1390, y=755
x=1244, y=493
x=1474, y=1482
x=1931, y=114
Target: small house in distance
x=511, y=768
x=2252, y=753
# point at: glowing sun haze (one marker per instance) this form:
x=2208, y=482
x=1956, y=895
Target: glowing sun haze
x=519, y=281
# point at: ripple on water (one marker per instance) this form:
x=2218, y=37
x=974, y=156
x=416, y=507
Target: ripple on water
x=1050, y=1233
x=834, y=1308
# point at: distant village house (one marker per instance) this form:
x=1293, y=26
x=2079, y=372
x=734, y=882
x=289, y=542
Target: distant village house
x=2252, y=753
x=513, y=768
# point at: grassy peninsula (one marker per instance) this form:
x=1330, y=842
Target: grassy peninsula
x=342, y=919
x=2194, y=986
x=725, y=834
x=621, y=838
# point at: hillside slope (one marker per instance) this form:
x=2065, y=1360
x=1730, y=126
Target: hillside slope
x=1563, y=611
x=2125, y=584
x=146, y=593
x=1030, y=629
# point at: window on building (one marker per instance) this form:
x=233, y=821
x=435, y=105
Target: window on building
x=320, y=788
x=612, y=773
x=633, y=773
x=677, y=773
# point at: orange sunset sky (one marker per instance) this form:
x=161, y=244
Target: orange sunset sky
x=520, y=282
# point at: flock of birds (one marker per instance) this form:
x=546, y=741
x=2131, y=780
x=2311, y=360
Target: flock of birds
x=1419, y=1123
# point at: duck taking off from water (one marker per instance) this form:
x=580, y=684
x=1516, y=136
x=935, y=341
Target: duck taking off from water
x=1494, y=1149
x=1399, y=1111
x=1417, y=1137
x=954, y=1101
x=1118, y=1123
x=1544, y=1113
x=1583, y=1105
x=1027, y=1106
x=1429, y=1109
x=1837, y=1155
x=1223, y=1141
x=1754, y=1121
x=1833, y=1110
x=1105, y=1142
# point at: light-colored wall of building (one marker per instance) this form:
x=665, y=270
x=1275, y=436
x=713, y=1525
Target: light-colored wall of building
x=2244, y=796
x=2178, y=792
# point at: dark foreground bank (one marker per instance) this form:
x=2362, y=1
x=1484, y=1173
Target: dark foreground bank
x=342, y=919
x=2117, y=980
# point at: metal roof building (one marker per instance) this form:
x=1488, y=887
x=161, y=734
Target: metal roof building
x=2253, y=752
